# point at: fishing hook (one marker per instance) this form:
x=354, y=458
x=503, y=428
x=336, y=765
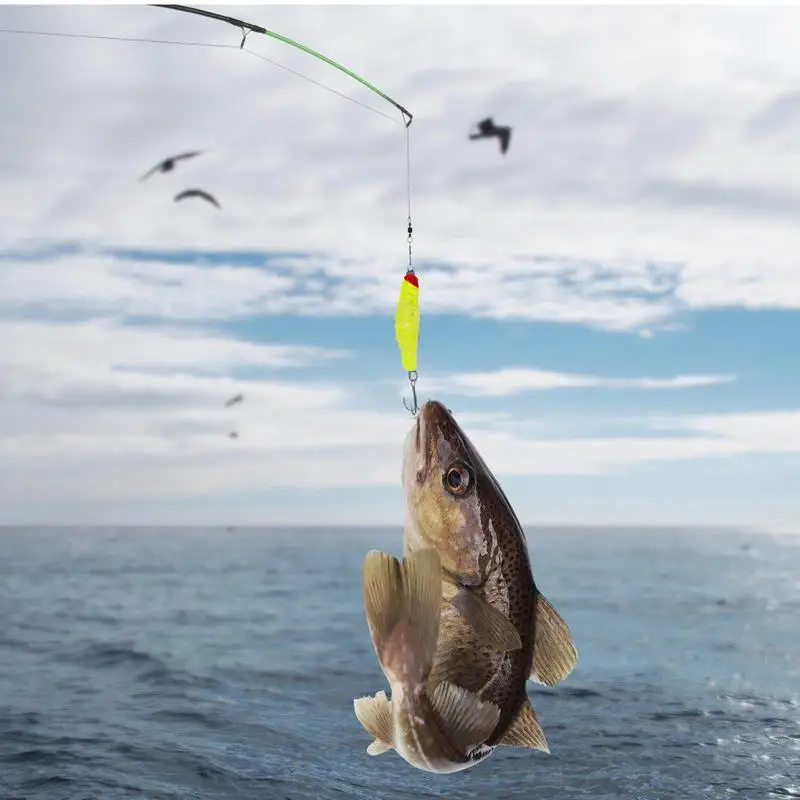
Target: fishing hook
x=412, y=379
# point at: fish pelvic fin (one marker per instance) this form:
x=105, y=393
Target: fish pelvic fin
x=465, y=719
x=402, y=600
x=554, y=652
x=491, y=626
x=526, y=730
x=375, y=715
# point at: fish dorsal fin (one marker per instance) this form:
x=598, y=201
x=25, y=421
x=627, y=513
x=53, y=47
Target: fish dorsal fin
x=526, y=731
x=375, y=714
x=554, y=653
x=491, y=626
x=465, y=719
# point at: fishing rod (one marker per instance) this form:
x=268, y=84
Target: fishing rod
x=249, y=27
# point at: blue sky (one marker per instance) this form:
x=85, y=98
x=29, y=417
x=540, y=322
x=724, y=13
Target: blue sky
x=611, y=310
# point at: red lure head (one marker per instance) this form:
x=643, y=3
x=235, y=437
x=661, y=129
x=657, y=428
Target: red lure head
x=412, y=279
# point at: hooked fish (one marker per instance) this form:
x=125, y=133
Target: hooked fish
x=496, y=628
x=433, y=727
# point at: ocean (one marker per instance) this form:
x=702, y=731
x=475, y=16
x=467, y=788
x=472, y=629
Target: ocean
x=221, y=664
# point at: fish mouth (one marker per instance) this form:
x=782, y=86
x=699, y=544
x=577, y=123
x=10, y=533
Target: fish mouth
x=419, y=446
x=421, y=451
x=435, y=413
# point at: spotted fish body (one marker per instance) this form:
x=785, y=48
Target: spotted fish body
x=496, y=628
x=463, y=658
x=460, y=625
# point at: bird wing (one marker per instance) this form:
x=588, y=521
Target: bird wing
x=151, y=171
x=190, y=154
x=197, y=193
x=210, y=198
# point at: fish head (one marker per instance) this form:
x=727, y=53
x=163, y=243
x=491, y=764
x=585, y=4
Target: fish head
x=451, y=495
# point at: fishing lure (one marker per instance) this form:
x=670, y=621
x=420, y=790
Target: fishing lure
x=406, y=330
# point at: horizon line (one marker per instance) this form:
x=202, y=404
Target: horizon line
x=344, y=527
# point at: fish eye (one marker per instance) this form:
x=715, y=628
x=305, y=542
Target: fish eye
x=458, y=479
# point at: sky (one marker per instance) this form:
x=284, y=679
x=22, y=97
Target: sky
x=611, y=309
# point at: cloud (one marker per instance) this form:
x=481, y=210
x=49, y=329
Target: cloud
x=514, y=380
x=89, y=344
x=105, y=411
x=92, y=404
x=652, y=174
x=76, y=389
x=173, y=453
x=202, y=285
x=780, y=116
x=102, y=412
x=773, y=431
x=633, y=172
x=598, y=455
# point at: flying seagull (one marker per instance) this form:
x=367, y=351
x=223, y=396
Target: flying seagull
x=168, y=164
x=197, y=193
x=237, y=398
x=487, y=128
x=233, y=435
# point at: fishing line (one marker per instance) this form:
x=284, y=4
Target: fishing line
x=406, y=321
x=116, y=38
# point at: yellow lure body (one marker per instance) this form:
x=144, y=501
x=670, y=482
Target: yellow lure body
x=406, y=321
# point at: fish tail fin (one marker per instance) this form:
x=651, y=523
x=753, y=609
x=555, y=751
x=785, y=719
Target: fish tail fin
x=402, y=600
x=375, y=715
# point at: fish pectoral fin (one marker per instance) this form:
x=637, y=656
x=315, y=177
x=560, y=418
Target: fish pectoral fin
x=378, y=748
x=375, y=715
x=526, y=731
x=409, y=592
x=466, y=720
x=382, y=587
x=493, y=629
x=554, y=653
